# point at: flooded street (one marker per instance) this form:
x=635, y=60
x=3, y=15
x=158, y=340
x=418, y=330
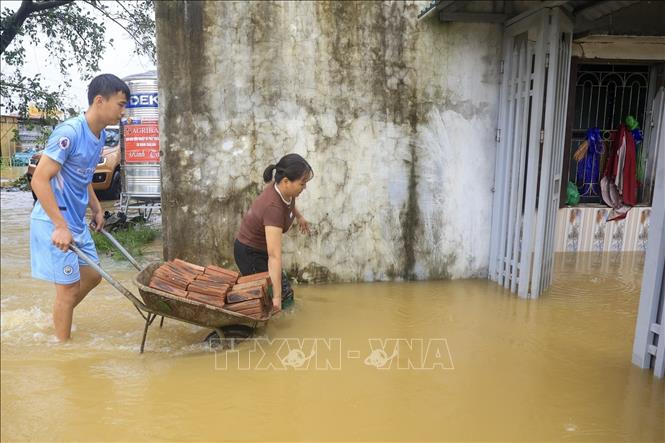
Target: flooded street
x=553, y=369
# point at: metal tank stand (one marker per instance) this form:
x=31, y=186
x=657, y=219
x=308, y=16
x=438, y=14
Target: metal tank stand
x=143, y=205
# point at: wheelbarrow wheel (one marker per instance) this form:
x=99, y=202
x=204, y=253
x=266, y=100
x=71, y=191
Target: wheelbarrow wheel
x=236, y=332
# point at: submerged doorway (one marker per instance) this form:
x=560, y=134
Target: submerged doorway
x=539, y=131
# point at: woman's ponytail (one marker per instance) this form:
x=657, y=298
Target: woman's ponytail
x=291, y=166
x=267, y=174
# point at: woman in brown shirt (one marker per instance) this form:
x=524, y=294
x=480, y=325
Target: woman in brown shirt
x=258, y=245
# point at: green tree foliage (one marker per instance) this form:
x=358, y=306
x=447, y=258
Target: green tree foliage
x=73, y=32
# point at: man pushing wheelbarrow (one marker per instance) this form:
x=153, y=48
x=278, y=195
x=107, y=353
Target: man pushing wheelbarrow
x=62, y=250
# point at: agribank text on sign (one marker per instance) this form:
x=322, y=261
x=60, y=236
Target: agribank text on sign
x=141, y=143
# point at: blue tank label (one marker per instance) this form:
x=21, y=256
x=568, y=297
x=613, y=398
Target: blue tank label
x=143, y=101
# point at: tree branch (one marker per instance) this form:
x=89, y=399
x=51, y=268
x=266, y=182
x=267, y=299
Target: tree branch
x=129, y=14
x=16, y=20
x=14, y=23
x=18, y=87
x=48, y=4
x=109, y=16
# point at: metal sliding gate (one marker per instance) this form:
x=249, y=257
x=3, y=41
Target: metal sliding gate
x=530, y=146
x=649, y=342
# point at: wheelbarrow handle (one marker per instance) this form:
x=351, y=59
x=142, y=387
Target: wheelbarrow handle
x=115, y=283
x=119, y=247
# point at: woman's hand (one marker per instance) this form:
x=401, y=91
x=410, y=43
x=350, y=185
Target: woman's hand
x=304, y=225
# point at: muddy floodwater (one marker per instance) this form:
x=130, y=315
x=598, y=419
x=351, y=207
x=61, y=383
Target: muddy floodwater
x=450, y=360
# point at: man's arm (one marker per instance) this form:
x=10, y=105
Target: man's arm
x=41, y=186
x=96, y=209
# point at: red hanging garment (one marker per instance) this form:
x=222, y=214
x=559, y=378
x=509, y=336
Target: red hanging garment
x=621, y=163
x=615, y=145
x=619, y=183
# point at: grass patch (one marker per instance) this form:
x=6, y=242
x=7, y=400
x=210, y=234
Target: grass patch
x=21, y=183
x=133, y=238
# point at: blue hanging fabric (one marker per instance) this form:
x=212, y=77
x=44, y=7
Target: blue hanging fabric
x=588, y=172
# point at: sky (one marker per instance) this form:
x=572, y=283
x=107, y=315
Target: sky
x=118, y=59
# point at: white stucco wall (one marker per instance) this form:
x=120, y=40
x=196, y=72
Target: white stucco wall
x=397, y=118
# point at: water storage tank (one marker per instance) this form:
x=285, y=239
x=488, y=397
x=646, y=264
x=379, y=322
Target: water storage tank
x=140, y=141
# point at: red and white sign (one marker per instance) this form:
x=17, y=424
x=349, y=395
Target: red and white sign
x=142, y=143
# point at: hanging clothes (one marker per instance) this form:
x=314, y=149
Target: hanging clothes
x=620, y=161
x=589, y=170
x=640, y=155
x=619, y=182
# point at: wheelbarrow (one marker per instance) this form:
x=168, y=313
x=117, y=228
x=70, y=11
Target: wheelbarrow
x=155, y=303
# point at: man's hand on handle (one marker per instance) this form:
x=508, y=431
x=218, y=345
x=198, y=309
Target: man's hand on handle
x=97, y=222
x=62, y=238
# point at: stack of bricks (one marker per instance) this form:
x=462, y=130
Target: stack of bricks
x=215, y=286
x=249, y=296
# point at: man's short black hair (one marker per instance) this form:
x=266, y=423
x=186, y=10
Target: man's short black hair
x=106, y=85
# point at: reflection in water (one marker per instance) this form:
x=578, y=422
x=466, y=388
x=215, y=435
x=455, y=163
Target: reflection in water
x=557, y=368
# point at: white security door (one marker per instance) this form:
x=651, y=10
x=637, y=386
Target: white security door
x=530, y=142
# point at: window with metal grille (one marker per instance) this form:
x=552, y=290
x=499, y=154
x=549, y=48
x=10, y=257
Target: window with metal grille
x=602, y=96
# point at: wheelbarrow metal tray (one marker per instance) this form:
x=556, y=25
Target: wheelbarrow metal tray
x=185, y=309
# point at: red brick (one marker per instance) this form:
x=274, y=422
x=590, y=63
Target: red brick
x=208, y=288
x=207, y=299
x=253, y=277
x=162, y=285
x=219, y=278
x=196, y=268
x=244, y=305
x=251, y=284
x=212, y=269
x=177, y=279
x=179, y=270
x=246, y=294
x=188, y=277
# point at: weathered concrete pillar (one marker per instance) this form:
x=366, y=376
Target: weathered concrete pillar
x=397, y=118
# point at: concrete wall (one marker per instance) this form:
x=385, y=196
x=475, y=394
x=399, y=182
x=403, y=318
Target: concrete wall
x=397, y=118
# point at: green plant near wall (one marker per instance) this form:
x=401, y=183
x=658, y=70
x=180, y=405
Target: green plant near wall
x=134, y=238
x=21, y=183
